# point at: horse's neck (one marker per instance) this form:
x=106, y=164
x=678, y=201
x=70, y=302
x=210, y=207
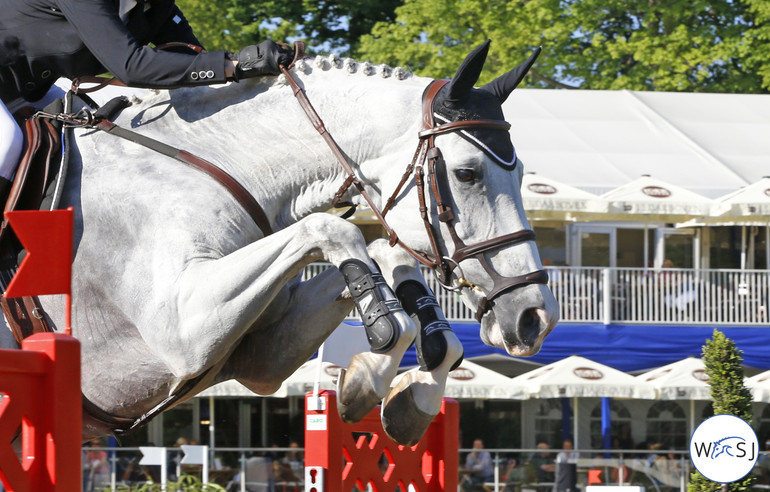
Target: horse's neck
x=266, y=142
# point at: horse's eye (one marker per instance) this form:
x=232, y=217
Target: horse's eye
x=465, y=175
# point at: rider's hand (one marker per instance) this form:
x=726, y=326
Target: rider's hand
x=261, y=59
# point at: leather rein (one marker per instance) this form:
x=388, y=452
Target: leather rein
x=440, y=262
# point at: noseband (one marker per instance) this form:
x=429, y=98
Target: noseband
x=439, y=261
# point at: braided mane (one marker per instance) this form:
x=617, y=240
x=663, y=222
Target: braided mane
x=333, y=61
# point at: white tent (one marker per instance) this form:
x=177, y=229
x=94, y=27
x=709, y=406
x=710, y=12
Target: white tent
x=473, y=381
x=647, y=197
x=545, y=198
x=712, y=144
x=682, y=380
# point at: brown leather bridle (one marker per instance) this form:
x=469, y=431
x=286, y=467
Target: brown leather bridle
x=439, y=261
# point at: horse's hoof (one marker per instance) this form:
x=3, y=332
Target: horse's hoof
x=356, y=393
x=402, y=420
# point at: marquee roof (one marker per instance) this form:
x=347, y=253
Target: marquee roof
x=711, y=144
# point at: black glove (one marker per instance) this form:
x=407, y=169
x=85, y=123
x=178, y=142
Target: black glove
x=261, y=59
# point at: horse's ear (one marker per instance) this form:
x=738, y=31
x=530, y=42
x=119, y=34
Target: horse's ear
x=468, y=73
x=506, y=83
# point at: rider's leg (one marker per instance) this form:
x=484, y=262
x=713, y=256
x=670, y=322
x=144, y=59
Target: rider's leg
x=11, y=141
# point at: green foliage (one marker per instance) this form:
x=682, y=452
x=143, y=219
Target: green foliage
x=232, y=24
x=186, y=483
x=723, y=363
x=664, y=45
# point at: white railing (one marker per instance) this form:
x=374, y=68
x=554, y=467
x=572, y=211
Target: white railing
x=637, y=295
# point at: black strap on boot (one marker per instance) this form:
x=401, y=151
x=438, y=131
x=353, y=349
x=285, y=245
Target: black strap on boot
x=375, y=302
x=420, y=303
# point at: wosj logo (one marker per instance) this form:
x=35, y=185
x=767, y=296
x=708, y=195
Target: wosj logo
x=724, y=448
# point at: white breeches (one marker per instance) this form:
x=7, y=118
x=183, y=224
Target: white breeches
x=11, y=141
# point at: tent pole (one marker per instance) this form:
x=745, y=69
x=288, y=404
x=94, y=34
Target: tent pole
x=212, y=444
x=575, y=416
x=767, y=247
x=692, y=417
x=743, y=247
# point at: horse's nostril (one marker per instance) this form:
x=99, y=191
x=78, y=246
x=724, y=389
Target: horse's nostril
x=529, y=326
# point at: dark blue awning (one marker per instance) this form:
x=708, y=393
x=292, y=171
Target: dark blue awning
x=625, y=347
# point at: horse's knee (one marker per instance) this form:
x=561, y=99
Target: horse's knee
x=330, y=228
x=395, y=263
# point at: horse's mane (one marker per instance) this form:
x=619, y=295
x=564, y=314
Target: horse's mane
x=333, y=61
x=307, y=65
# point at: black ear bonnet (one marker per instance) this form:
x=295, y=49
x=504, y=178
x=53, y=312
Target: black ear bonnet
x=460, y=101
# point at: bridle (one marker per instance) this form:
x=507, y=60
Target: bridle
x=427, y=152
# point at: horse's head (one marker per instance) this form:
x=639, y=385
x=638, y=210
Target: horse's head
x=474, y=178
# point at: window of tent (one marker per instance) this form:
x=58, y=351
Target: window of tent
x=619, y=417
x=548, y=422
x=667, y=425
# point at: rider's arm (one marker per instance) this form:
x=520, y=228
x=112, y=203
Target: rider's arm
x=102, y=31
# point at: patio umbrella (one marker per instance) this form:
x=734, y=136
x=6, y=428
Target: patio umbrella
x=472, y=381
x=682, y=380
x=548, y=199
x=760, y=386
x=576, y=377
x=649, y=199
x=746, y=207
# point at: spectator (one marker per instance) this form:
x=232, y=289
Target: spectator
x=565, y=479
x=295, y=462
x=478, y=465
x=95, y=466
x=541, y=468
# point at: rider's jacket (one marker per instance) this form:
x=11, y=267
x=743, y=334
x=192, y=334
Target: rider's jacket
x=42, y=40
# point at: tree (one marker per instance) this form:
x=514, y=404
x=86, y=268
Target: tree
x=667, y=45
x=723, y=363
x=323, y=25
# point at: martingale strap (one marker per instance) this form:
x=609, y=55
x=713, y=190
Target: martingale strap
x=101, y=121
x=241, y=194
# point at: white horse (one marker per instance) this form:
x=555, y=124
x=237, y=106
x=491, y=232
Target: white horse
x=176, y=288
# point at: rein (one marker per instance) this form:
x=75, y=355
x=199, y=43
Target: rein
x=441, y=264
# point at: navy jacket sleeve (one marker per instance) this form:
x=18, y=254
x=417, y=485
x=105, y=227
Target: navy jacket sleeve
x=109, y=40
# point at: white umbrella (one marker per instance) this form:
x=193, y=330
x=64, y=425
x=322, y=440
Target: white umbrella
x=547, y=199
x=576, y=377
x=647, y=198
x=682, y=380
x=236, y=389
x=473, y=381
x=759, y=386
x=746, y=207
x=304, y=379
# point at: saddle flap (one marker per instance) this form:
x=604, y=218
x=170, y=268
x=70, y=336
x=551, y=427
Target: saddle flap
x=42, y=149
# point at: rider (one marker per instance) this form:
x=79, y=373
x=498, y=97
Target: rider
x=42, y=40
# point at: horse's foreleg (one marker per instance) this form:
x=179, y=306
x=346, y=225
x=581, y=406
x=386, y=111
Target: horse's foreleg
x=309, y=312
x=409, y=407
x=368, y=376
x=220, y=301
